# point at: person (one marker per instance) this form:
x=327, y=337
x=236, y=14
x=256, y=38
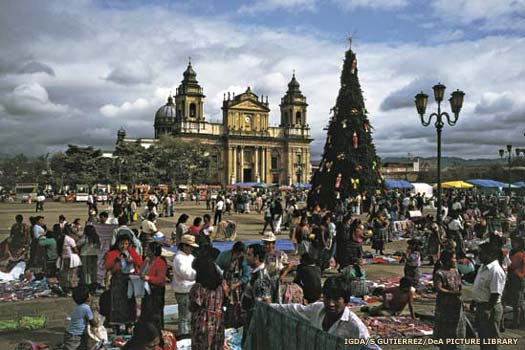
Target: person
x=435, y=240
x=455, y=228
x=379, y=237
x=180, y=228
x=70, y=261
x=196, y=227
x=449, y=322
x=515, y=285
x=148, y=230
x=348, y=247
x=89, y=246
x=50, y=244
x=302, y=231
x=332, y=314
x=308, y=277
x=487, y=290
x=328, y=236
x=20, y=237
x=205, y=234
x=395, y=299
x=219, y=208
x=76, y=229
x=356, y=277
x=146, y=336
x=104, y=229
x=236, y=273
x=276, y=262
x=413, y=261
x=122, y=261
x=75, y=336
x=124, y=230
x=277, y=215
x=154, y=271
x=40, y=200
x=183, y=279
x=206, y=299
x=259, y=288
x=268, y=217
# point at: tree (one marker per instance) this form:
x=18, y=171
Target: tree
x=78, y=165
x=349, y=164
x=182, y=161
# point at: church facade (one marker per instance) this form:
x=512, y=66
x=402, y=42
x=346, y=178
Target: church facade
x=244, y=146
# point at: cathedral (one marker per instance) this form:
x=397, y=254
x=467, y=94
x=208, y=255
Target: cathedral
x=245, y=148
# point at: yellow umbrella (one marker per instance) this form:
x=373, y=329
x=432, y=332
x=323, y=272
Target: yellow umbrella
x=456, y=184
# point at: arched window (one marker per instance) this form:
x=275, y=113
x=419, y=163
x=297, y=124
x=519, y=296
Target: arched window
x=193, y=110
x=298, y=118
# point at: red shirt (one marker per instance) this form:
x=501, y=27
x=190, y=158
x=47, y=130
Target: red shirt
x=399, y=299
x=194, y=230
x=157, y=271
x=112, y=262
x=517, y=264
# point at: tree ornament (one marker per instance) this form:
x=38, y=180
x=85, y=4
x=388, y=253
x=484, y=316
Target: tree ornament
x=328, y=166
x=340, y=156
x=355, y=140
x=338, y=180
x=354, y=111
x=343, y=124
x=355, y=183
x=354, y=66
x=374, y=163
x=367, y=127
x=358, y=168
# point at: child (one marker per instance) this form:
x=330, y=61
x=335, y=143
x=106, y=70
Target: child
x=413, y=261
x=75, y=335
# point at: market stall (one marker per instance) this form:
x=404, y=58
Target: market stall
x=456, y=184
x=399, y=184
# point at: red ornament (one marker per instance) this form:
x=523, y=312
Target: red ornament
x=338, y=180
x=355, y=139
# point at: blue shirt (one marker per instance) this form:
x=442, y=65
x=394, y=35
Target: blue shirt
x=81, y=314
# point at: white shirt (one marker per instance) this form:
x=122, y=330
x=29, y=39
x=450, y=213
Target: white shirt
x=219, y=205
x=38, y=231
x=348, y=326
x=490, y=279
x=183, y=274
x=69, y=243
x=455, y=225
x=148, y=226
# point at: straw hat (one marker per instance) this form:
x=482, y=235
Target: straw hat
x=269, y=237
x=189, y=240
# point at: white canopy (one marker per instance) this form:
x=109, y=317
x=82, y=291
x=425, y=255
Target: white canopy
x=423, y=188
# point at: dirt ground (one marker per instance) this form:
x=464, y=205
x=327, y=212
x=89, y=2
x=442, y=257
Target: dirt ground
x=249, y=226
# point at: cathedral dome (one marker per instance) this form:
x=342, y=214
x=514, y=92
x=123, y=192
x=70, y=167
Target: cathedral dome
x=166, y=111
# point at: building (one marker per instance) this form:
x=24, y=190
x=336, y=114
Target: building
x=408, y=169
x=244, y=147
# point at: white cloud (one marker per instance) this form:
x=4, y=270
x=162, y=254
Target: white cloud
x=31, y=99
x=493, y=14
x=138, y=108
x=129, y=73
x=257, y=6
x=228, y=56
x=350, y=5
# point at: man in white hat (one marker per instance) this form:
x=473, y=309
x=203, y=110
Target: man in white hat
x=183, y=279
x=276, y=262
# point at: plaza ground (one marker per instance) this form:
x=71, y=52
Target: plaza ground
x=248, y=227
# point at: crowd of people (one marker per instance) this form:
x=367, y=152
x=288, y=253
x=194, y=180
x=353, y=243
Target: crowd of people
x=480, y=242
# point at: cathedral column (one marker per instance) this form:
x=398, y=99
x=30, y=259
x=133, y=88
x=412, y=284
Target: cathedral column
x=234, y=165
x=241, y=165
x=257, y=177
x=268, y=158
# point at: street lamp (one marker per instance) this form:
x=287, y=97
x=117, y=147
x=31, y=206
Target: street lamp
x=456, y=102
x=509, y=160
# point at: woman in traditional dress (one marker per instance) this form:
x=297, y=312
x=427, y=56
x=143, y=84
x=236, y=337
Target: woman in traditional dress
x=153, y=271
x=69, y=263
x=206, y=301
x=89, y=246
x=449, y=320
x=180, y=229
x=122, y=261
x=379, y=229
x=515, y=285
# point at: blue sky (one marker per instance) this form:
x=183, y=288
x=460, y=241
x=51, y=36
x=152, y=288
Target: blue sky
x=76, y=71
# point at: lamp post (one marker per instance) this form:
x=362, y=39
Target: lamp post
x=456, y=102
x=509, y=160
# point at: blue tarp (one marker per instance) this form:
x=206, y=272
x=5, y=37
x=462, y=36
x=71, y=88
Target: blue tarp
x=487, y=183
x=398, y=184
x=249, y=184
x=280, y=244
x=299, y=185
x=519, y=184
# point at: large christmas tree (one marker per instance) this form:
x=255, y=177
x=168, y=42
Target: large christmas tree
x=349, y=165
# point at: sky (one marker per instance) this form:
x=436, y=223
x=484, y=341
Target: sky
x=74, y=72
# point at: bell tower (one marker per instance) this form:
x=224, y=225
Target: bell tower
x=189, y=98
x=293, y=106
